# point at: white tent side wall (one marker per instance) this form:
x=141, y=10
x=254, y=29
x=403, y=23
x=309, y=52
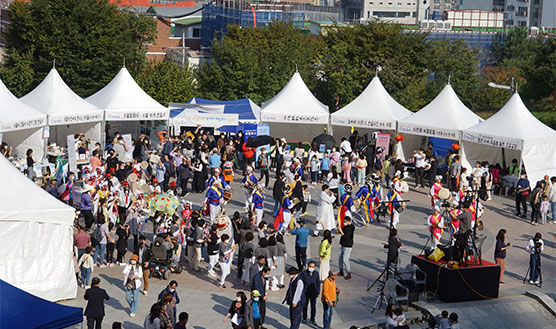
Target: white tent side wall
x=539, y=158
x=25, y=139
x=300, y=132
x=36, y=257
x=92, y=131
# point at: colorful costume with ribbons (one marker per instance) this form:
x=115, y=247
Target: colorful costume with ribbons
x=257, y=200
x=436, y=222
x=213, y=180
x=284, y=216
x=435, y=199
x=345, y=209
x=394, y=199
x=249, y=182
x=213, y=199
x=454, y=224
x=366, y=203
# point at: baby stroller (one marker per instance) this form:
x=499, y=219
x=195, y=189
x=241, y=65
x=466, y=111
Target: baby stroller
x=164, y=261
x=228, y=172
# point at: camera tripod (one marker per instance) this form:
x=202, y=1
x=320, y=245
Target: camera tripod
x=540, y=274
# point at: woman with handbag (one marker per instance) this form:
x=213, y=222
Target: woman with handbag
x=132, y=275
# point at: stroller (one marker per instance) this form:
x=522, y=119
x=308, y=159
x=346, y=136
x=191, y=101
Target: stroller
x=228, y=172
x=164, y=259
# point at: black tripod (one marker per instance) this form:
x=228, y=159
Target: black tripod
x=381, y=299
x=540, y=274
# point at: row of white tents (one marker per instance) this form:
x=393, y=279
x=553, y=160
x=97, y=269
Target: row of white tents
x=54, y=105
x=513, y=128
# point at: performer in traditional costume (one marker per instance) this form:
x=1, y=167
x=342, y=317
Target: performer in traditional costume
x=346, y=205
x=248, y=183
x=435, y=188
x=365, y=197
x=284, y=216
x=214, y=200
x=436, y=224
x=257, y=199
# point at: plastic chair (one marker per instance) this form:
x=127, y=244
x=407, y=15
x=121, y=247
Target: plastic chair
x=392, y=288
x=416, y=275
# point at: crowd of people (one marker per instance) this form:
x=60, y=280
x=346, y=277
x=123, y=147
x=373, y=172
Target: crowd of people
x=114, y=192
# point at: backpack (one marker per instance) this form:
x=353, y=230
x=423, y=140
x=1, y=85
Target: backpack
x=97, y=235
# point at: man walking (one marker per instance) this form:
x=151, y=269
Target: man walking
x=311, y=283
x=301, y=236
x=346, y=244
x=171, y=290
x=295, y=298
x=329, y=292
x=258, y=282
x=95, y=305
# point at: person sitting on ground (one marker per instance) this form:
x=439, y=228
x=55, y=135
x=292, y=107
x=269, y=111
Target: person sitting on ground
x=444, y=322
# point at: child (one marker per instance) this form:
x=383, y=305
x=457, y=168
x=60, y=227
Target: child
x=314, y=170
x=110, y=245
x=545, y=205
x=306, y=200
x=361, y=169
x=346, y=167
x=454, y=321
x=325, y=165
x=444, y=322
x=86, y=265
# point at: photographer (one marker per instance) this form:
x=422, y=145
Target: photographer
x=394, y=245
x=535, y=247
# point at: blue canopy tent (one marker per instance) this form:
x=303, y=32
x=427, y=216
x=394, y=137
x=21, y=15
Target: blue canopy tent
x=16, y=305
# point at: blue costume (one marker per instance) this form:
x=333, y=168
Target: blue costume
x=214, y=194
x=367, y=202
x=211, y=180
x=258, y=200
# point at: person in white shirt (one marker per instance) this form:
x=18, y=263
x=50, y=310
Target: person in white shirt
x=552, y=198
x=132, y=275
x=419, y=157
x=535, y=247
x=345, y=146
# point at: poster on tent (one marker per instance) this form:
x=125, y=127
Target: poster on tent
x=129, y=144
x=211, y=120
x=72, y=153
x=383, y=140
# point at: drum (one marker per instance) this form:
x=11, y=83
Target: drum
x=480, y=225
x=145, y=188
x=357, y=204
x=399, y=208
x=132, y=178
x=227, y=195
x=405, y=187
x=444, y=194
x=144, y=165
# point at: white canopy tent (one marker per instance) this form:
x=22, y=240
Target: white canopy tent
x=190, y=115
x=21, y=126
x=123, y=100
x=520, y=134
x=37, y=238
x=295, y=105
x=445, y=117
x=67, y=113
x=373, y=109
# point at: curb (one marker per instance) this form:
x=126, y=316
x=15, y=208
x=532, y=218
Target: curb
x=544, y=300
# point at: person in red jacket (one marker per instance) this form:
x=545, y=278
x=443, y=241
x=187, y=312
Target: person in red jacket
x=248, y=157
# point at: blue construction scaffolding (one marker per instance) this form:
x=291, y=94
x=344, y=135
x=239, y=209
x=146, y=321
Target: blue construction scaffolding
x=216, y=18
x=480, y=41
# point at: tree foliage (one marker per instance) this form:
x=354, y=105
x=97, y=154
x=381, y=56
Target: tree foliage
x=414, y=68
x=257, y=63
x=89, y=40
x=167, y=82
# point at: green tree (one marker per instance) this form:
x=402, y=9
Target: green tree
x=167, y=82
x=456, y=62
x=257, y=63
x=89, y=40
x=354, y=53
x=541, y=74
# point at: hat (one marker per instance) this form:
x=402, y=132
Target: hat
x=155, y=180
x=348, y=188
x=438, y=177
x=255, y=293
x=86, y=188
x=283, y=140
x=173, y=184
x=436, y=208
x=125, y=183
x=249, y=168
x=398, y=173
x=286, y=189
x=112, y=170
x=134, y=257
x=217, y=170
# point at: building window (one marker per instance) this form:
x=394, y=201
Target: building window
x=399, y=3
x=391, y=14
x=196, y=33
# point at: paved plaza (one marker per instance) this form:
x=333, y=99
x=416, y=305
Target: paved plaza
x=207, y=304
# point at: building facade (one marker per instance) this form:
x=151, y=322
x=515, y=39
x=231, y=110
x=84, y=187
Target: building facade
x=396, y=11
